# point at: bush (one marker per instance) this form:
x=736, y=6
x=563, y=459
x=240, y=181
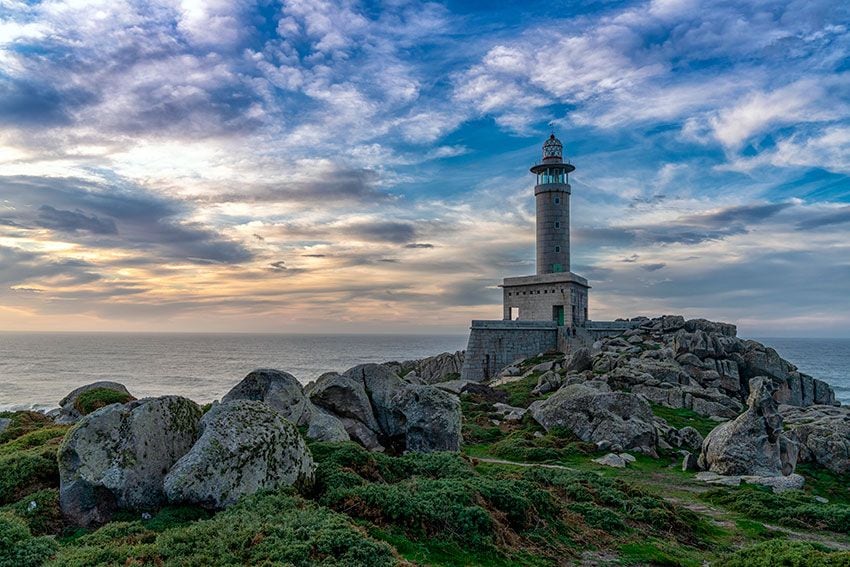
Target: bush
x=42, y=518
x=92, y=400
x=18, y=548
x=26, y=471
x=23, y=422
x=263, y=529
x=786, y=553
x=792, y=508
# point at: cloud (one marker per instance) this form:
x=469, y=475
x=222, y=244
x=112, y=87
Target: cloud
x=419, y=245
x=382, y=231
x=72, y=221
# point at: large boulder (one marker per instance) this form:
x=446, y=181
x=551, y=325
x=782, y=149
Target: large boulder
x=429, y=419
x=823, y=433
x=754, y=443
x=245, y=446
x=579, y=361
x=282, y=391
x=439, y=368
x=595, y=416
x=278, y=389
x=117, y=457
x=70, y=410
x=344, y=396
x=379, y=384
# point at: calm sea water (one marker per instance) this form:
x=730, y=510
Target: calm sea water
x=38, y=369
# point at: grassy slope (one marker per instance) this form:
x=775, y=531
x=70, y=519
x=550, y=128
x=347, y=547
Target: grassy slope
x=441, y=509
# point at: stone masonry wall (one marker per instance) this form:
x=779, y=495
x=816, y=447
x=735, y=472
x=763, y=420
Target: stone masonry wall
x=493, y=345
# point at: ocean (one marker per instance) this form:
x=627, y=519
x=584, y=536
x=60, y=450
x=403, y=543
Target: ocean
x=38, y=369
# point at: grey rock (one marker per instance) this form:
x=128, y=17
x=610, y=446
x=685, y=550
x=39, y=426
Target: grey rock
x=455, y=387
x=68, y=414
x=344, y=396
x=621, y=418
x=672, y=323
x=713, y=327
x=776, y=483
x=754, y=442
x=578, y=361
x=611, y=460
x=824, y=434
x=687, y=438
x=429, y=418
x=690, y=462
x=510, y=413
x=278, y=389
x=324, y=426
x=549, y=381
x=245, y=446
x=360, y=433
x=628, y=458
x=117, y=457
x=380, y=385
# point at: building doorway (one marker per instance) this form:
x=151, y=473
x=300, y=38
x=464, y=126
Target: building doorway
x=514, y=313
x=558, y=314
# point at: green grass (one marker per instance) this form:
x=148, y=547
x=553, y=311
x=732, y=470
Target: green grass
x=786, y=554
x=660, y=552
x=792, y=508
x=682, y=417
x=19, y=548
x=92, y=400
x=519, y=392
x=23, y=422
x=825, y=483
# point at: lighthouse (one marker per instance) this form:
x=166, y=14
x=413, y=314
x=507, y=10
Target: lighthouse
x=552, y=193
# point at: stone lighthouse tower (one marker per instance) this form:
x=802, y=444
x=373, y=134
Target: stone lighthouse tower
x=552, y=192
x=549, y=309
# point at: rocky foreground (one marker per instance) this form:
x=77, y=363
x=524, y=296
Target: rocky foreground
x=639, y=449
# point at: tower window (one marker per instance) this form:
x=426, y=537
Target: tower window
x=557, y=200
x=557, y=224
x=557, y=248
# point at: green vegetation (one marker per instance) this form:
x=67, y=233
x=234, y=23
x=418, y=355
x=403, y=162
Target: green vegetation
x=787, y=554
x=681, y=417
x=792, y=508
x=519, y=392
x=28, y=456
x=18, y=547
x=92, y=400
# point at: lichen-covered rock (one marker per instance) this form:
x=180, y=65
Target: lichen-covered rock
x=579, y=361
x=69, y=410
x=429, y=419
x=117, y=457
x=344, y=396
x=282, y=391
x=245, y=446
x=754, y=442
x=823, y=433
x=380, y=384
x=547, y=382
x=620, y=418
x=439, y=368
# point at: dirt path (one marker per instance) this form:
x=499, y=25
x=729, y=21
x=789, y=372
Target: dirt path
x=518, y=464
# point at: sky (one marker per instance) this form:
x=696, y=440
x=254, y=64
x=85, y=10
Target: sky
x=335, y=167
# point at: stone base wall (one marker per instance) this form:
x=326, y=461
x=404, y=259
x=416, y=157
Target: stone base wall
x=493, y=345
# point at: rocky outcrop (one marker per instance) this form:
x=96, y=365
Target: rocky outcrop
x=823, y=433
x=381, y=411
x=595, y=415
x=282, y=391
x=439, y=368
x=117, y=457
x=754, y=443
x=245, y=446
x=698, y=365
x=69, y=410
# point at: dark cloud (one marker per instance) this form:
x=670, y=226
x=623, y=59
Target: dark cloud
x=118, y=215
x=419, y=245
x=653, y=267
x=691, y=229
x=278, y=266
x=331, y=187
x=72, y=221
x=22, y=267
x=28, y=103
x=840, y=216
x=382, y=231
x=315, y=255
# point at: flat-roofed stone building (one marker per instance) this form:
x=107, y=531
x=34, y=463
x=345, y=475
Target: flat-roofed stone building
x=547, y=310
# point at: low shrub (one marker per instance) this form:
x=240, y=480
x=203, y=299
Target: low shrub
x=263, y=529
x=94, y=399
x=786, y=553
x=27, y=471
x=23, y=422
x=39, y=510
x=18, y=547
x=792, y=508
